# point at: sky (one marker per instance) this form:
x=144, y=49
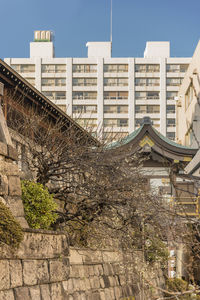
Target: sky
x=75, y=22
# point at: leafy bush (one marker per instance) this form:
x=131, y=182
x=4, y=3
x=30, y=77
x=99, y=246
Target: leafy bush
x=180, y=285
x=156, y=251
x=39, y=205
x=10, y=230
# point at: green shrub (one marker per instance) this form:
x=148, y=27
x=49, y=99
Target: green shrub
x=157, y=252
x=180, y=285
x=10, y=230
x=39, y=205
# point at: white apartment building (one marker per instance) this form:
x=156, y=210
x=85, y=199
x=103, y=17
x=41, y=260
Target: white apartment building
x=111, y=95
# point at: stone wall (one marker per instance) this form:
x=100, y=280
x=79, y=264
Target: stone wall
x=38, y=270
x=108, y=275
x=41, y=270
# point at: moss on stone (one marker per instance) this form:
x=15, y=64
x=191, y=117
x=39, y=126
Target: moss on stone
x=10, y=230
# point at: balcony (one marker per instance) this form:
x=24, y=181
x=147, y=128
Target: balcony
x=186, y=206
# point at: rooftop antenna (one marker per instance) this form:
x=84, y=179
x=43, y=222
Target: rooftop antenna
x=111, y=21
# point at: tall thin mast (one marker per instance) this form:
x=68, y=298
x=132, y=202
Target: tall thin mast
x=111, y=21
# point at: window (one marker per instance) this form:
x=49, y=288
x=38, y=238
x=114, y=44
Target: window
x=116, y=81
x=142, y=109
x=115, y=122
x=177, y=68
x=84, y=95
x=151, y=68
x=171, y=109
x=115, y=95
x=116, y=68
x=147, y=81
x=81, y=68
x=53, y=81
x=84, y=109
x=114, y=136
x=31, y=81
x=153, y=95
x=140, y=68
x=138, y=122
x=88, y=123
x=147, y=95
x=140, y=81
x=173, y=68
x=171, y=135
x=155, y=122
x=171, y=122
x=50, y=68
x=174, y=81
x=189, y=96
x=116, y=109
x=62, y=107
x=171, y=95
x=153, y=81
x=84, y=81
x=24, y=68
x=55, y=95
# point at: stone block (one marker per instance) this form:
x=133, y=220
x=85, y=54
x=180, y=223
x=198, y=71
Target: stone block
x=82, y=284
x=7, y=295
x=111, y=256
x=9, y=168
x=102, y=283
x=12, y=153
x=117, y=292
x=75, y=257
x=3, y=200
x=56, y=291
x=106, y=281
x=22, y=221
x=35, y=272
x=91, y=270
x=96, y=296
x=22, y=293
x=74, y=271
x=76, y=284
x=45, y=292
x=15, y=273
x=107, y=270
x=68, y=286
x=3, y=149
x=3, y=185
x=4, y=275
x=59, y=269
x=103, y=296
x=87, y=284
x=35, y=293
x=82, y=296
x=112, y=280
x=14, y=186
x=15, y=205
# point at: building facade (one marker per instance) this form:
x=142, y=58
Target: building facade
x=188, y=104
x=107, y=94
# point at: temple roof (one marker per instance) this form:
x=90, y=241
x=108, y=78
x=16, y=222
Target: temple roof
x=148, y=137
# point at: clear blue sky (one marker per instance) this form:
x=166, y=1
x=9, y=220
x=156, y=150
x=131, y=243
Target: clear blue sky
x=75, y=22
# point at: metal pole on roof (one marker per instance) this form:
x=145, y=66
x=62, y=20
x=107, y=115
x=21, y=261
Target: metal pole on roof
x=111, y=21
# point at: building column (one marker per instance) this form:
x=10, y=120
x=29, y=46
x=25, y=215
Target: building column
x=38, y=74
x=69, y=75
x=163, y=103
x=100, y=97
x=131, y=94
